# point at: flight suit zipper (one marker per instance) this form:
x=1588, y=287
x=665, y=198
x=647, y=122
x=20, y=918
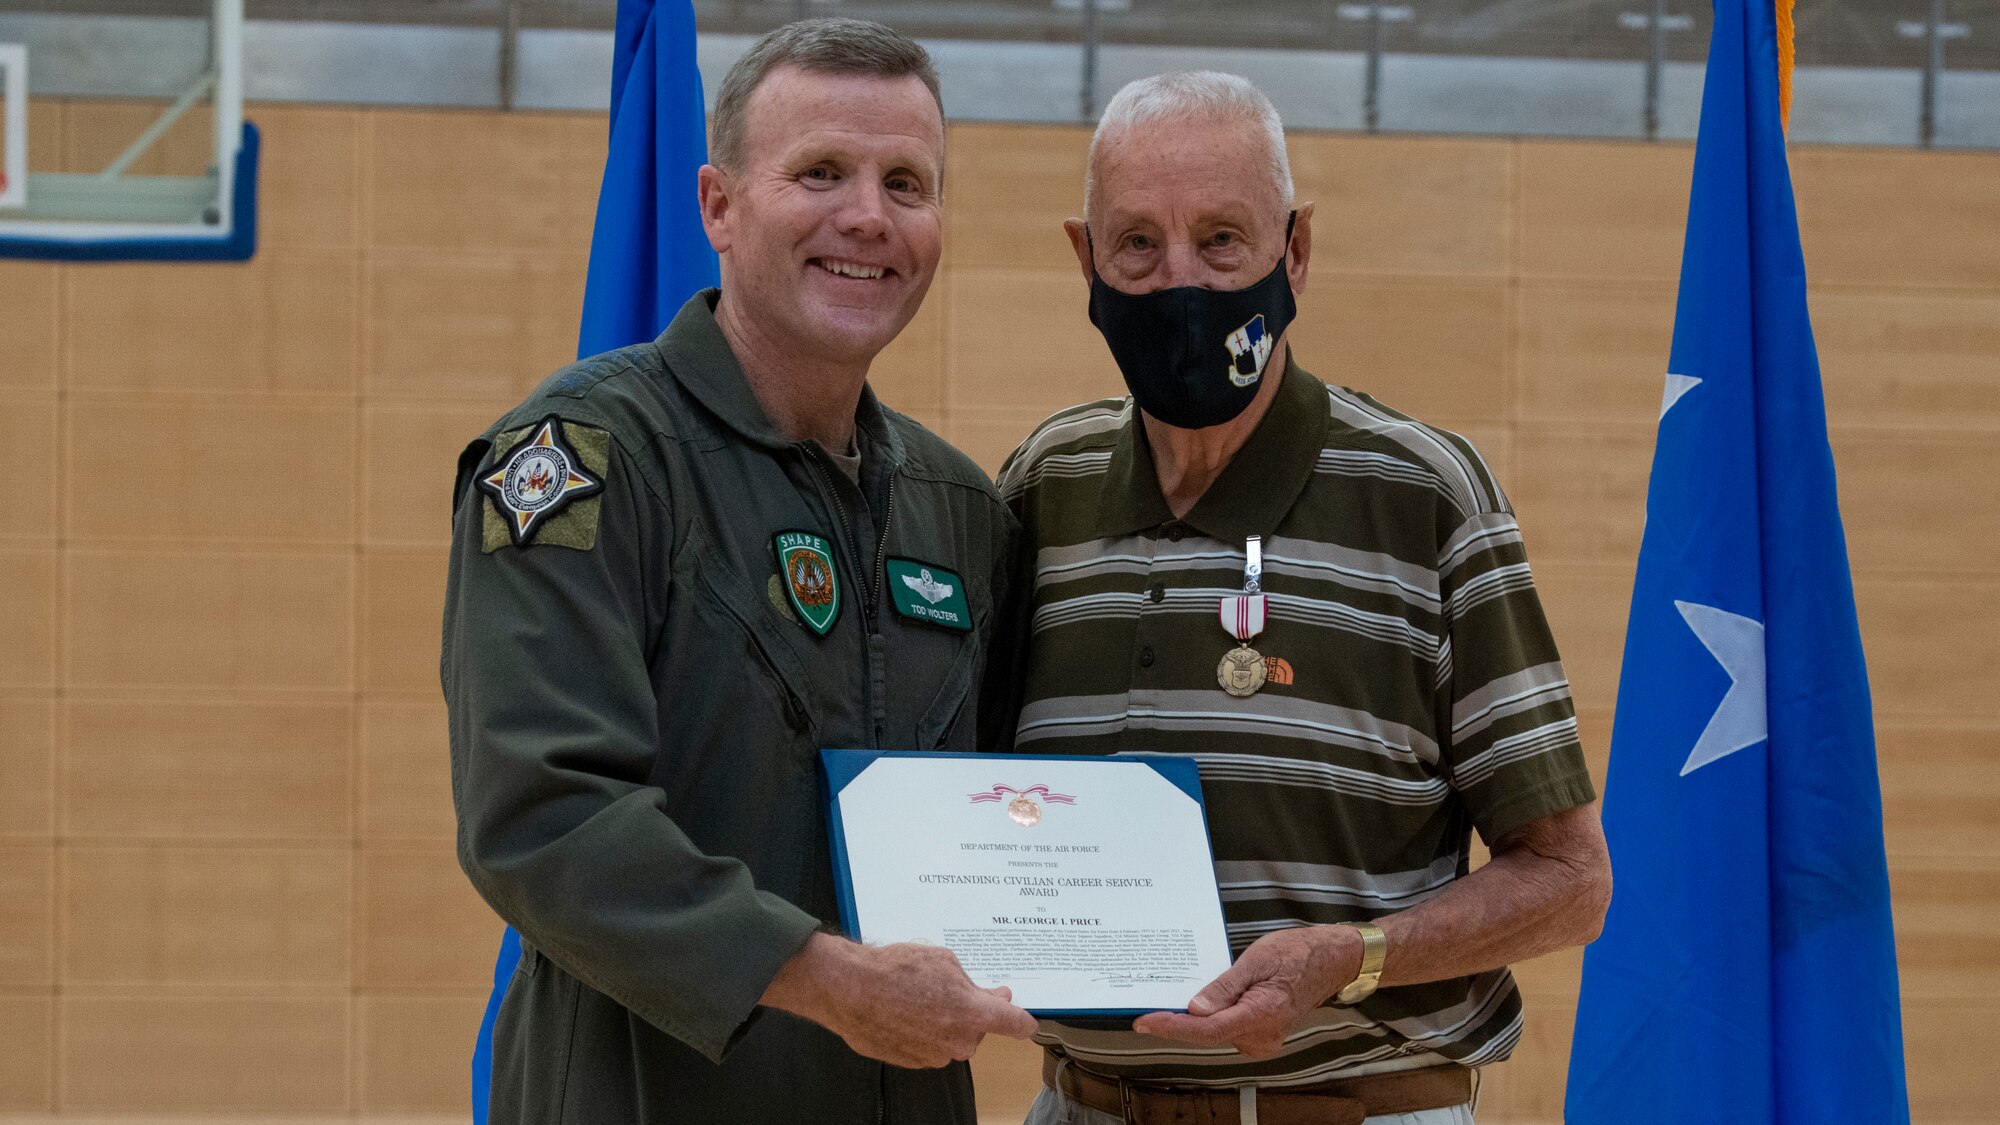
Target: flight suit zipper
x=882, y=542
x=871, y=586
x=844, y=531
x=878, y=579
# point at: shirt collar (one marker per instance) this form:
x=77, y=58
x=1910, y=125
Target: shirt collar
x=1255, y=490
x=699, y=357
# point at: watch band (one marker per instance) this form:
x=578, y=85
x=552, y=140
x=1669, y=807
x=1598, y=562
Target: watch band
x=1374, y=950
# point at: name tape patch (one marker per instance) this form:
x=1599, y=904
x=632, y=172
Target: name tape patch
x=929, y=593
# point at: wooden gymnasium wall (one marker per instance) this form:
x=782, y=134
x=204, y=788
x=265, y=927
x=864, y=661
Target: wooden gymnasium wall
x=226, y=877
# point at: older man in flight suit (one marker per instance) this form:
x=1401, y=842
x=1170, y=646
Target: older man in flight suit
x=676, y=575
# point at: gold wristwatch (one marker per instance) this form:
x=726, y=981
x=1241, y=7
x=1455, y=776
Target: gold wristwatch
x=1374, y=950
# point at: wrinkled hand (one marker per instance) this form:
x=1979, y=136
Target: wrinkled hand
x=907, y=1005
x=1265, y=994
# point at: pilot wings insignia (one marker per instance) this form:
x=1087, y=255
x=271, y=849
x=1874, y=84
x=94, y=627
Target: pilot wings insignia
x=928, y=588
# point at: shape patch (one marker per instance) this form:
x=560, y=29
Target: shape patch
x=812, y=582
x=929, y=593
x=536, y=480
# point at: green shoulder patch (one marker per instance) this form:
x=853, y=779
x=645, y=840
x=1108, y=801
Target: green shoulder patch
x=544, y=482
x=928, y=592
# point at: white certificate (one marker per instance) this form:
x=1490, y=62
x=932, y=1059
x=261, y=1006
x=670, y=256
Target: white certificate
x=1084, y=884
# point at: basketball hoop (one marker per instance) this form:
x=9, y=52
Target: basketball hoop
x=111, y=214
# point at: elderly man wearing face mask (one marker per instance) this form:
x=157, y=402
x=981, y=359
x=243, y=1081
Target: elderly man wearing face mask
x=1326, y=604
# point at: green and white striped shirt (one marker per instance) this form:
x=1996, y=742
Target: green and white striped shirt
x=1415, y=695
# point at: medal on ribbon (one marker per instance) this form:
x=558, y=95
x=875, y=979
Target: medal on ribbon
x=1242, y=670
x=1022, y=809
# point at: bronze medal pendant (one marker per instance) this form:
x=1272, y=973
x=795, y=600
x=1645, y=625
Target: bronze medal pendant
x=1241, y=672
x=1024, y=812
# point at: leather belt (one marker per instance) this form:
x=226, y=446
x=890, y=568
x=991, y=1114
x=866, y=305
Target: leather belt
x=1347, y=1101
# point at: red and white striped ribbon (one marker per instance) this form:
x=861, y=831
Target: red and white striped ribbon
x=1243, y=616
x=999, y=793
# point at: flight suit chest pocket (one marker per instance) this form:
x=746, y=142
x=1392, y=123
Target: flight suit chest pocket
x=737, y=733
x=935, y=622
x=745, y=657
x=947, y=723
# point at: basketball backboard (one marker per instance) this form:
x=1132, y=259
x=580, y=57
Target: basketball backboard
x=108, y=213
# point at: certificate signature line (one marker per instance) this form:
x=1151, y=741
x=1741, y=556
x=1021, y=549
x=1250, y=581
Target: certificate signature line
x=1141, y=978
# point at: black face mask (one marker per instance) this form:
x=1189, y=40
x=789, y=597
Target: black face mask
x=1193, y=357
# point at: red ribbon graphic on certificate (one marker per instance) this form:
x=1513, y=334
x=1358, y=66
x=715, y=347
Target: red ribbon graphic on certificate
x=1022, y=810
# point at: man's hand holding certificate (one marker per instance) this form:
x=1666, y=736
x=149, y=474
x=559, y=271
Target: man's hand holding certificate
x=1084, y=885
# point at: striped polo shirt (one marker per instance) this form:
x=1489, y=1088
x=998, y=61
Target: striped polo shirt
x=1414, y=691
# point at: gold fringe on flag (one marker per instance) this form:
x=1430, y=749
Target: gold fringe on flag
x=1786, y=56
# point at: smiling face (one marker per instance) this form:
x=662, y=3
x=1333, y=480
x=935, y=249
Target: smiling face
x=830, y=226
x=1187, y=202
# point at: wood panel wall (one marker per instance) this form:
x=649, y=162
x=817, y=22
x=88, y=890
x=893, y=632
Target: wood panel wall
x=226, y=880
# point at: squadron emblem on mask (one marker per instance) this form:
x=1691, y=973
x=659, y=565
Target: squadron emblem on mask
x=538, y=479
x=1249, y=350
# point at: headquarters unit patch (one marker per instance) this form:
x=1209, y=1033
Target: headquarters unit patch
x=928, y=592
x=812, y=583
x=544, y=489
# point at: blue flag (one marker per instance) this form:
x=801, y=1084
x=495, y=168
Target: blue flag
x=1747, y=971
x=648, y=255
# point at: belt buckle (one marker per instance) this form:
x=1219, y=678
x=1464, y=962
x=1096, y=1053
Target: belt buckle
x=1137, y=1108
x=1066, y=1085
x=1141, y=1104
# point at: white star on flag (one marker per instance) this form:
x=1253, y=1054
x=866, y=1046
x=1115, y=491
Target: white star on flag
x=1737, y=643
x=1677, y=385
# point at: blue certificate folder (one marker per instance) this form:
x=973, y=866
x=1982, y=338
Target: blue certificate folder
x=838, y=768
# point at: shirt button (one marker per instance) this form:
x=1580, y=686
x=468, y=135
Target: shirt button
x=1158, y=593
x=1175, y=531
x=1146, y=657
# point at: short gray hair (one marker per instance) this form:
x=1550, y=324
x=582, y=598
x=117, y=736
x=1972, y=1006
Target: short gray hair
x=1192, y=95
x=829, y=45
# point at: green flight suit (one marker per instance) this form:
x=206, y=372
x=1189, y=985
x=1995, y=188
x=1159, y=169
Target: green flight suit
x=636, y=709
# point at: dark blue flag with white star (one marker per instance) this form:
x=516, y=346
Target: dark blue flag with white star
x=1747, y=970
